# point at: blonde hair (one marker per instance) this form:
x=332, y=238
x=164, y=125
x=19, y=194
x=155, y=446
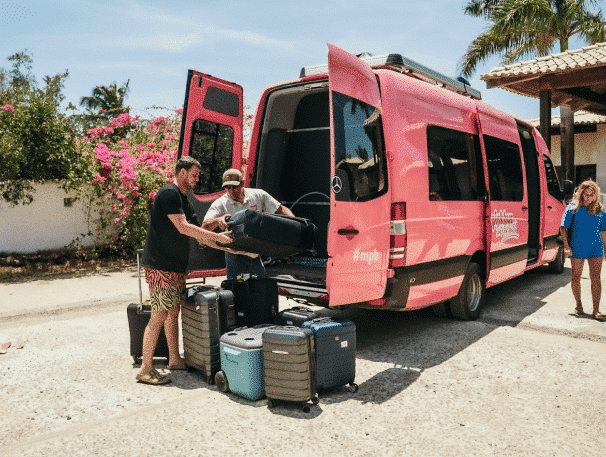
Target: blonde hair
x=596, y=206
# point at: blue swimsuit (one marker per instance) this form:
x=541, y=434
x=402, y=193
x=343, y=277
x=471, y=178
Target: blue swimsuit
x=584, y=235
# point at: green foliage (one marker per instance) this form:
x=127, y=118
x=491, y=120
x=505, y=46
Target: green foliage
x=36, y=138
x=529, y=28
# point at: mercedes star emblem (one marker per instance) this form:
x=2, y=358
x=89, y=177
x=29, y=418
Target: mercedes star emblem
x=336, y=184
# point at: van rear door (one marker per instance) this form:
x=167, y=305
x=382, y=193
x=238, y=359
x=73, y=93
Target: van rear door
x=211, y=132
x=358, y=238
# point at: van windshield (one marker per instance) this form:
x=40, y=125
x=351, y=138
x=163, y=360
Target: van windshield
x=359, y=151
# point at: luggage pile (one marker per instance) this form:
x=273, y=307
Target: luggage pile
x=235, y=337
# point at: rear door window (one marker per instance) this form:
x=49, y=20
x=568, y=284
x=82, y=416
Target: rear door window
x=212, y=146
x=505, y=176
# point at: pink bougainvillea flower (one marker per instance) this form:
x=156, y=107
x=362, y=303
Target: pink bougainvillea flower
x=116, y=220
x=8, y=108
x=179, y=111
x=152, y=195
x=114, y=207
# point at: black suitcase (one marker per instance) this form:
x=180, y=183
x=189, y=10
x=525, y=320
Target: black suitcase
x=207, y=313
x=296, y=316
x=288, y=365
x=335, y=351
x=255, y=300
x=270, y=235
x=138, y=315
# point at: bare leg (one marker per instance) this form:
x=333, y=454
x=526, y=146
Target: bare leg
x=171, y=327
x=150, y=339
x=575, y=281
x=595, y=272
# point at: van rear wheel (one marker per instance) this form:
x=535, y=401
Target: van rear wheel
x=557, y=266
x=468, y=302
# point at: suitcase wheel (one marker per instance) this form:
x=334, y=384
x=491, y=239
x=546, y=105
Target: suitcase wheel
x=136, y=359
x=306, y=408
x=353, y=387
x=221, y=381
x=315, y=399
x=270, y=403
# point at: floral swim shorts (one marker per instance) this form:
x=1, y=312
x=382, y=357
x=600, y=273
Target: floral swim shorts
x=166, y=289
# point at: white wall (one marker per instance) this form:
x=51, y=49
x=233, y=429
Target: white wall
x=589, y=148
x=43, y=225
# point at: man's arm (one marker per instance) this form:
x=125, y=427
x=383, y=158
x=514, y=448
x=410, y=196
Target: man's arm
x=213, y=223
x=202, y=235
x=285, y=211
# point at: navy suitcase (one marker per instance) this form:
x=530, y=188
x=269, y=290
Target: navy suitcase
x=289, y=365
x=255, y=300
x=270, y=235
x=205, y=316
x=138, y=316
x=335, y=350
x=296, y=316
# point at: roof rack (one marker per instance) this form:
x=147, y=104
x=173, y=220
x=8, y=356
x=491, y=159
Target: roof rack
x=408, y=66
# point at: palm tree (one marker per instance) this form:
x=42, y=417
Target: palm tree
x=529, y=28
x=110, y=99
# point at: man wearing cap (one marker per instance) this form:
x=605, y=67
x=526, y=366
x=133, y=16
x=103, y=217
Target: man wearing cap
x=238, y=198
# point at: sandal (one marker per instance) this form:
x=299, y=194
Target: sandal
x=4, y=347
x=153, y=377
x=599, y=317
x=178, y=366
x=579, y=310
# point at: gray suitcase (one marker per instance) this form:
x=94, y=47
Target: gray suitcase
x=205, y=316
x=288, y=365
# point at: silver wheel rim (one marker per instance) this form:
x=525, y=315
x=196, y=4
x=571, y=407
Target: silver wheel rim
x=474, y=293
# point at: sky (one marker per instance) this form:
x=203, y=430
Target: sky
x=254, y=43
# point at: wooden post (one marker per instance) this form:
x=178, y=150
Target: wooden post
x=567, y=143
x=545, y=117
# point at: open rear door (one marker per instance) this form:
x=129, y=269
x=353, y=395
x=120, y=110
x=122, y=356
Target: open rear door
x=211, y=132
x=358, y=239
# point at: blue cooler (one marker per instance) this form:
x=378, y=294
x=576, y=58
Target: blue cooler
x=242, y=363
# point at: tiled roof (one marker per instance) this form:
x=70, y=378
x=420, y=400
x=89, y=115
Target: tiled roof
x=580, y=117
x=586, y=57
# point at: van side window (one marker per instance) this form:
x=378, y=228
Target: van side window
x=553, y=185
x=454, y=164
x=504, y=170
x=359, y=151
x=212, y=146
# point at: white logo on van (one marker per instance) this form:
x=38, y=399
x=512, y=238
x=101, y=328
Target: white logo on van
x=368, y=257
x=504, y=225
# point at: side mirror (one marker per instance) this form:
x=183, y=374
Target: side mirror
x=568, y=190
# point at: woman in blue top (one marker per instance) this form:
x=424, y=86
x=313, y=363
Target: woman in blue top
x=585, y=221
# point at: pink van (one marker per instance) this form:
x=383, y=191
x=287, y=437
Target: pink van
x=423, y=195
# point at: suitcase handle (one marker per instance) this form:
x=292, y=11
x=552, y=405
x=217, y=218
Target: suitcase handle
x=139, y=254
x=321, y=319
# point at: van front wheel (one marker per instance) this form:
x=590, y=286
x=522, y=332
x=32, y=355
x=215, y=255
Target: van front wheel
x=468, y=302
x=557, y=266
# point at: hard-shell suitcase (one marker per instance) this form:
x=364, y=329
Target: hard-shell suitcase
x=270, y=234
x=138, y=315
x=255, y=300
x=242, y=363
x=296, y=316
x=288, y=365
x=205, y=316
x=335, y=349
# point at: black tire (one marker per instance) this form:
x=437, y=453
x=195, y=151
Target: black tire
x=557, y=266
x=221, y=381
x=468, y=302
x=441, y=309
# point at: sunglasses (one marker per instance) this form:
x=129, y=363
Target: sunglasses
x=232, y=187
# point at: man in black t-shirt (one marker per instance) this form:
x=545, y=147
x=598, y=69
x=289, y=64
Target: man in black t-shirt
x=165, y=257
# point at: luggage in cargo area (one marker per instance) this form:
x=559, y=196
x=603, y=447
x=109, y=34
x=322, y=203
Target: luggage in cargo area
x=242, y=363
x=206, y=315
x=255, y=300
x=296, y=316
x=335, y=349
x=270, y=235
x=138, y=317
x=288, y=365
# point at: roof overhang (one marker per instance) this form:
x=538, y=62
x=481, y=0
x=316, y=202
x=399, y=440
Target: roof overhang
x=575, y=78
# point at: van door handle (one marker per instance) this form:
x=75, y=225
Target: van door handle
x=348, y=231
x=524, y=208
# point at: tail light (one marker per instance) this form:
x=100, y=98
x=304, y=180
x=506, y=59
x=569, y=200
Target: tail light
x=397, y=235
